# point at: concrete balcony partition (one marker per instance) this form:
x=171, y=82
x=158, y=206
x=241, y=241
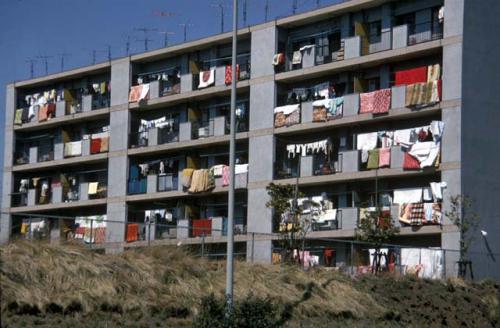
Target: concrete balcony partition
x=352, y=47
x=397, y=157
x=220, y=76
x=351, y=105
x=398, y=96
x=219, y=126
x=395, y=216
x=154, y=89
x=309, y=57
x=400, y=36
x=60, y=108
x=306, y=115
x=57, y=194
x=86, y=147
x=153, y=137
x=182, y=229
x=350, y=161
x=306, y=166
x=58, y=151
x=349, y=218
x=186, y=82
x=382, y=42
x=84, y=190
x=87, y=103
x=152, y=184
x=241, y=180
x=33, y=155
x=185, y=131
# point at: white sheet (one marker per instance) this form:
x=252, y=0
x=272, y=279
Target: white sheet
x=406, y=196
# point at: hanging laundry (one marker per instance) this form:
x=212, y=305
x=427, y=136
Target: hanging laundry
x=229, y=74
x=43, y=113
x=297, y=57
x=411, y=76
x=417, y=216
x=93, y=188
x=408, y=195
x=384, y=157
x=138, y=93
x=424, y=152
x=410, y=162
x=278, y=59
x=433, y=73
x=186, y=177
x=18, y=117
x=373, y=159
x=375, y=102
x=207, y=78
x=437, y=189
x=286, y=115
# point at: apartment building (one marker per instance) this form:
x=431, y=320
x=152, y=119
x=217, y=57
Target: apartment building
x=364, y=103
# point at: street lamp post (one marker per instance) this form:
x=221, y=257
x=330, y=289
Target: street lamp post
x=232, y=151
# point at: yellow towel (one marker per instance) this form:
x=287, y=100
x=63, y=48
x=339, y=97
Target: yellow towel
x=93, y=188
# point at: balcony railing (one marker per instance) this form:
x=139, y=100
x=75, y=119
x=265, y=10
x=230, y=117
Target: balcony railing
x=424, y=32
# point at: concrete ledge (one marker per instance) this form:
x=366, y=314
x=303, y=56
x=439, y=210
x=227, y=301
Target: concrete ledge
x=211, y=141
x=65, y=120
x=383, y=57
x=60, y=163
x=176, y=194
x=394, y=114
x=196, y=95
x=59, y=206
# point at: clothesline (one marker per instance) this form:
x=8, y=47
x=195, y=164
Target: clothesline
x=324, y=145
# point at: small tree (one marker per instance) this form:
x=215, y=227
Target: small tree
x=377, y=229
x=287, y=216
x=467, y=222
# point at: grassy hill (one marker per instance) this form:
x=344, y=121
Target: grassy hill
x=50, y=286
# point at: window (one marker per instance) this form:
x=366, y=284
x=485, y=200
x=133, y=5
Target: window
x=373, y=84
x=376, y=29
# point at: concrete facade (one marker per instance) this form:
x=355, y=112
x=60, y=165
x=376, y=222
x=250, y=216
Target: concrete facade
x=469, y=112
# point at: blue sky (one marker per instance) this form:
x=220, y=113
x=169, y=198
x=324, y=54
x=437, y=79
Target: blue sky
x=32, y=28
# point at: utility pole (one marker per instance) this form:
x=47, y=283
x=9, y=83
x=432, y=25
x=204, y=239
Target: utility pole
x=46, y=62
x=185, y=27
x=165, y=37
x=32, y=66
x=232, y=152
x=94, y=55
x=145, y=30
x=63, y=56
x=294, y=7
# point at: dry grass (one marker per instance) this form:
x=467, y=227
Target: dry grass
x=169, y=281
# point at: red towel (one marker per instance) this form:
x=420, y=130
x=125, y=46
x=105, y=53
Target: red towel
x=132, y=232
x=95, y=146
x=410, y=76
x=410, y=163
x=384, y=159
x=202, y=227
x=229, y=74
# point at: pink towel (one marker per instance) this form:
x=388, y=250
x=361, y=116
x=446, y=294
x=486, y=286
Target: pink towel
x=225, y=176
x=375, y=102
x=384, y=159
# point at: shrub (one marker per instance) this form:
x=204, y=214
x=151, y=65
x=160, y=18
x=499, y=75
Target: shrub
x=251, y=312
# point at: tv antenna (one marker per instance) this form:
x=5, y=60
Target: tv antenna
x=45, y=62
x=109, y=52
x=31, y=62
x=165, y=37
x=164, y=13
x=145, y=30
x=266, y=10
x=220, y=6
x=63, y=56
x=294, y=6
x=318, y=3
x=245, y=13
x=185, y=27
x=127, y=46
x=94, y=56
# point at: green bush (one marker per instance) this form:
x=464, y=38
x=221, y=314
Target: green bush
x=251, y=312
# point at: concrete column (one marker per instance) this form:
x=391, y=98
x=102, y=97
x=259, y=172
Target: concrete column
x=451, y=242
x=262, y=103
x=453, y=17
x=121, y=76
x=117, y=176
x=119, y=125
x=261, y=158
x=115, y=231
x=454, y=188
x=259, y=221
x=451, y=142
x=452, y=71
x=6, y=187
x=263, y=48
